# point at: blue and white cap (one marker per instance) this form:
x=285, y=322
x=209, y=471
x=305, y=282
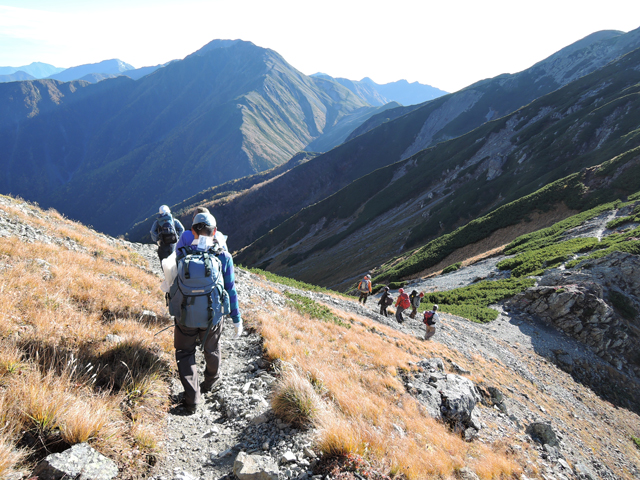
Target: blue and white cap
x=205, y=218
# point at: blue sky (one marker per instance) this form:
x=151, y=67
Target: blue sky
x=445, y=44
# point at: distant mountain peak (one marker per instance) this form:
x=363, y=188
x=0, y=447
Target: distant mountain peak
x=218, y=44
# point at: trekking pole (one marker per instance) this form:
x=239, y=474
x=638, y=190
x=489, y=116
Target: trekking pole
x=166, y=328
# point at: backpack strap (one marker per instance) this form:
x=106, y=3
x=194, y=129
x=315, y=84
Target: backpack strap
x=208, y=264
x=186, y=267
x=183, y=252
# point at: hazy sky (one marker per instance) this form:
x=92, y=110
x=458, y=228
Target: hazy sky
x=448, y=44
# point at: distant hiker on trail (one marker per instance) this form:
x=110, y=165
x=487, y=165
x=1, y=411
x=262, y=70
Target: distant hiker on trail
x=166, y=231
x=201, y=292
x=415, y=302
x=385, y=301
x=430, y=319
x=364, y=287
x=402, y=304
x=187, y=237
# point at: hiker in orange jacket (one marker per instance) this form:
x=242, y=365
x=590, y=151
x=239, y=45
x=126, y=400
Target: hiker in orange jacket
x=364, y=287
x=402, y=304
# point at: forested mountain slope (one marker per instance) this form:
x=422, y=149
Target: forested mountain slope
x=403, y=205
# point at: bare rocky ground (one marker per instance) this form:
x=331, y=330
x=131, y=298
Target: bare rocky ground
x=237, y=417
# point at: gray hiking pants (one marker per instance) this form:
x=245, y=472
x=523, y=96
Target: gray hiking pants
x=399, y=316
x=431, y=331
x=184, y=341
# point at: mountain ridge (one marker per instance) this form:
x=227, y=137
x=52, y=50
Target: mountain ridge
x=400, y=91
x=438, y=189
x=223, y=105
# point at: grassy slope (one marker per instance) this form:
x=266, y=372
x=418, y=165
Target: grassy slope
x=61, y=381
x=345, y=378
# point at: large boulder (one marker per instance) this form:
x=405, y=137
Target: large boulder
x=447, y=397
x=78, y=461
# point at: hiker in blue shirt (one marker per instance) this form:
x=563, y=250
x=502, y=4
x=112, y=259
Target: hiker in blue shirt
x=165, y=232
x=185, y=338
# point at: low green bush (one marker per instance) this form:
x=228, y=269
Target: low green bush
x=272, y=277
x=550, y=235
x=636, y=440
x=452, y=268
x=530, y=262
x=474, y=313
x=472, y=302
x=307, y=306
x=616, y=222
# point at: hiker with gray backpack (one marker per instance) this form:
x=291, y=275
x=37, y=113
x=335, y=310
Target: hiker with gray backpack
x=200, y=281
x=385, y=301
x=430, y=319
x=166, y=231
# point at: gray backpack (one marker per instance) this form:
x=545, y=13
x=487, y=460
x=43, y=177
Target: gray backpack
x=197, y=298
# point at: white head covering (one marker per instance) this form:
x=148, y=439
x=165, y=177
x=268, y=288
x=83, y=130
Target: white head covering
x=164, y=210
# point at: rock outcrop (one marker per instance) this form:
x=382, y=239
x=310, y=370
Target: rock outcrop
x=447, y=397
x=597, y=303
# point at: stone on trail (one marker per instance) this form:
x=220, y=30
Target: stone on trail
x=78, y=461
x=543, y=433
x=466, y=473
x=148, y=316
x=288, y=457
x=255, y=467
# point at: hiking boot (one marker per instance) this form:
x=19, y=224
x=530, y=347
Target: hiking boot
x=189, y=408
x=206, y=387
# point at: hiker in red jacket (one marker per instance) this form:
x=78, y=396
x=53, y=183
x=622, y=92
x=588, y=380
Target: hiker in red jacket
x=402, y=304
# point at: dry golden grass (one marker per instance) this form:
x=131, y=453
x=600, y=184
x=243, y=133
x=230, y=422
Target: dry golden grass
x=9, y=457
x=366, y=409
x=60, y=380
x=295, y=400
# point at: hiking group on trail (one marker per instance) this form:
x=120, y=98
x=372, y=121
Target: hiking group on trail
x=403, y=302
x=200, y=290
